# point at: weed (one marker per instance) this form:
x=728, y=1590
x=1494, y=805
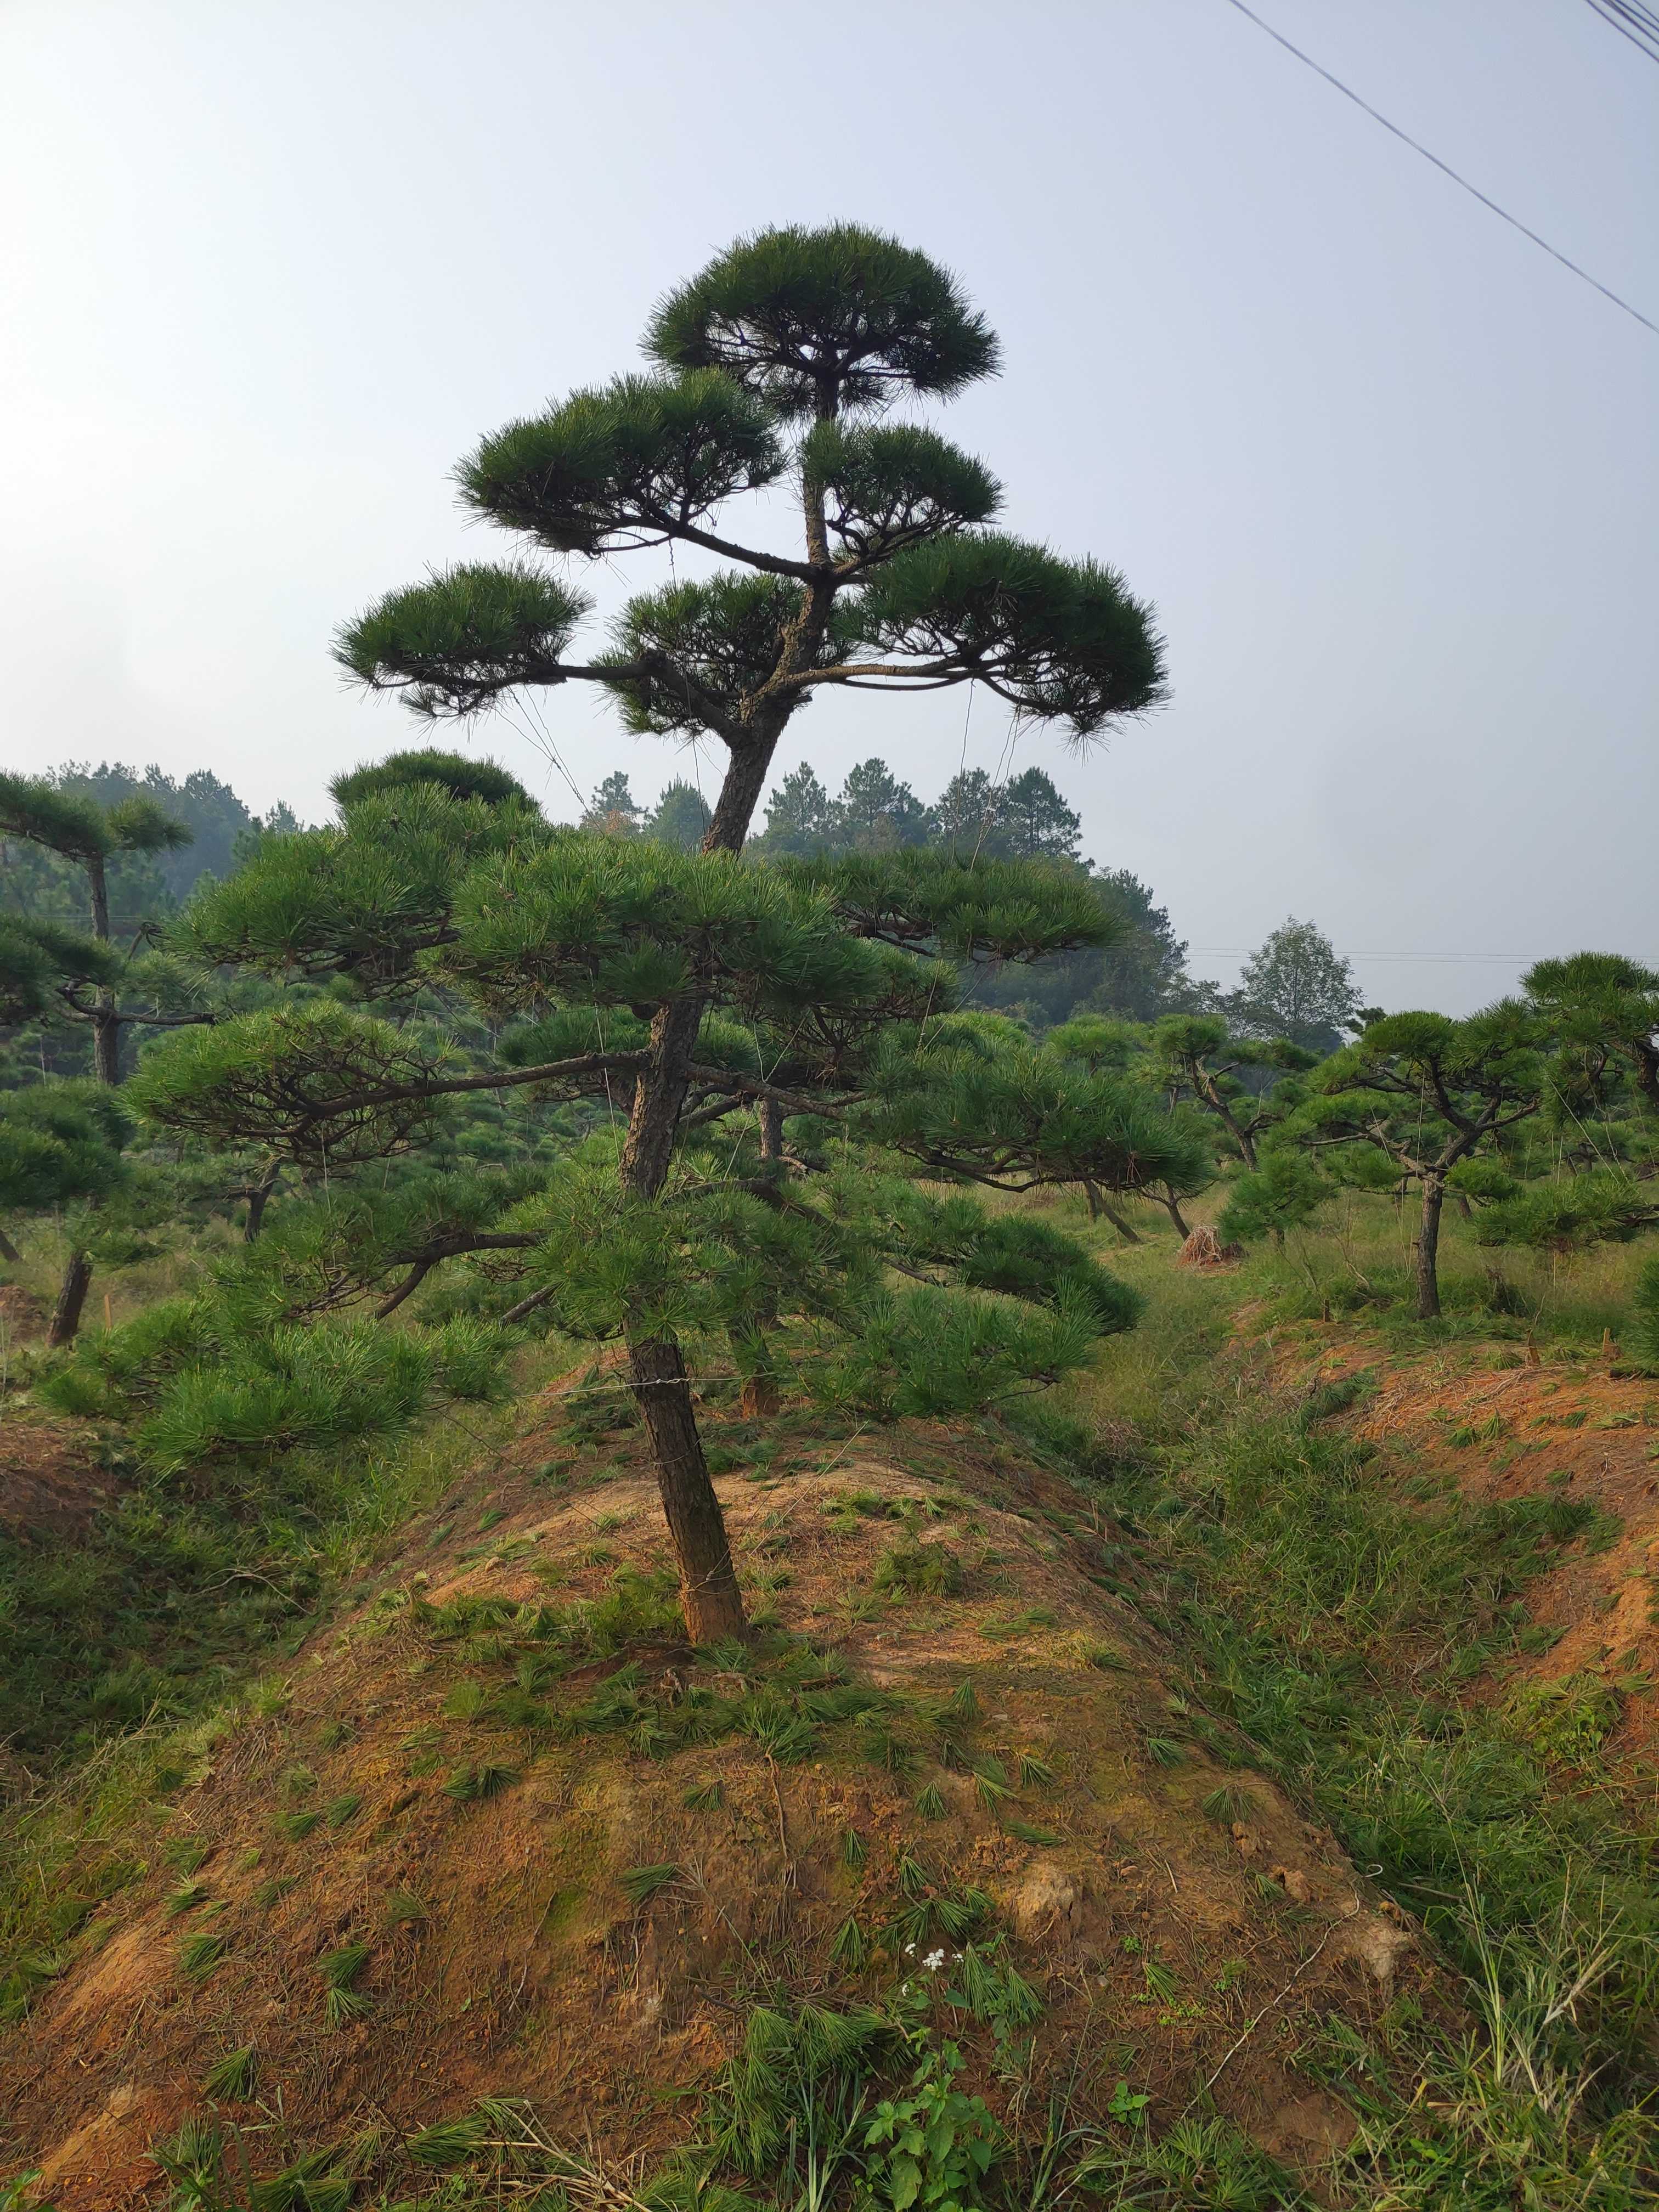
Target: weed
x=1228, y=1805
x=339, y=1970
x=199, y=1954
x=849, y=1947
x=232, y=2077
x=640, y=1884
x=704, y=1797
x=470, y=1784
x=1027, y=1832
x=917, y=1570
x=343, y=1807
x=933, y=2145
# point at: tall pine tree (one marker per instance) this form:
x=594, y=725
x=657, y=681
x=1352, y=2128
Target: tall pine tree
x=772, y=367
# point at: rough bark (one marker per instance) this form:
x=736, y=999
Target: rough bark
x=709, y=1581
x=106, y=1020
x=71, y=1297
x=1172, y=1207
x=1428, y=1247
x=740, y=793
x=258, y=1197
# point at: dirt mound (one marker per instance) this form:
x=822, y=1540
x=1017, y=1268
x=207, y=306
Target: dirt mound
x=500, y=1833
x=1501, y=1424
x=50, y=1487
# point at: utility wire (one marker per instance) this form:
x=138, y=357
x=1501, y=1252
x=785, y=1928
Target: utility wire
x=1632, y=21
x=1474, y=191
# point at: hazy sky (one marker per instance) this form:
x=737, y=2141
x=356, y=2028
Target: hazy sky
x=269, y=268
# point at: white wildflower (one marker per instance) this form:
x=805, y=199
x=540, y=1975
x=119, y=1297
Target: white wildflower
x=933, y=1962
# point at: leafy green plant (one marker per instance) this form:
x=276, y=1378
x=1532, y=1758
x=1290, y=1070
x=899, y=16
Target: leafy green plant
x=934, y=2147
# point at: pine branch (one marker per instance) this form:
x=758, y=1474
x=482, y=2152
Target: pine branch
x=558, y=1071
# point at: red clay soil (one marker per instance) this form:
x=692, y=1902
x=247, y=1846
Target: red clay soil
x=1502, y=1431
x=531, y=1974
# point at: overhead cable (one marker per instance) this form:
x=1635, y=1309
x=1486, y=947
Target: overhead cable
x=1417, y=147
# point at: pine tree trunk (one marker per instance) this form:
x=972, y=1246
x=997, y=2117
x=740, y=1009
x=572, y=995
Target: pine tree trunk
x=1172, y=1207
x=1428, y=1249
x=9, y=1251
x=771, y=1130
x=709, y=1581
x=259, y=1198
x=66, y=1314
x=106, y=1021
x=106, y=1040
x=1100, y=1204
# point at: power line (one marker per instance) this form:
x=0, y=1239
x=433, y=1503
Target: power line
x=1405, y=136
x=1634, y=21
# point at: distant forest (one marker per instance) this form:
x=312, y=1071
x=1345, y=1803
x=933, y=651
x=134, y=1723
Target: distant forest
x=1025, y=818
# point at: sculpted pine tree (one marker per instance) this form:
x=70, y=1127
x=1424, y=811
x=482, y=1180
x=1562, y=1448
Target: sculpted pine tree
x=1430, y=1094
x=771, y=369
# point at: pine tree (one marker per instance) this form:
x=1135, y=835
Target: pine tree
x=1034, y=822
x=79, y=830
x=801, y=815
x=1605, y=1009
x=1428, y=1094
x=980, y=1102
x=771, y=366
x=681, y=816
x=966, y=815
x=1198, y=1058
x=612, y=810
x=61, y=1144
x=877, y=813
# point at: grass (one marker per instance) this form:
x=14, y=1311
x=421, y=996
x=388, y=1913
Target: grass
x=1334, y=1621
x=1337, y=1614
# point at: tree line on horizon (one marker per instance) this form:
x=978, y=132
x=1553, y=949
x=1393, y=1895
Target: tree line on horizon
x=1295, y=985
